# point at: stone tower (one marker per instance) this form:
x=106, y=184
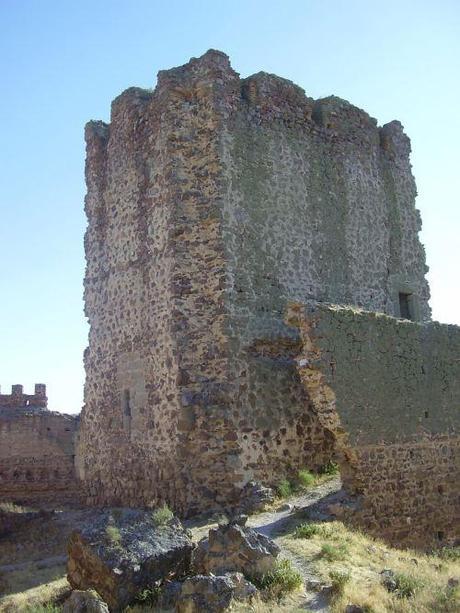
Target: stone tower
x=212, y=202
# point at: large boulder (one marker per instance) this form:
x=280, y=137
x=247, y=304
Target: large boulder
x=211, y=594
x=121, y=552
x=235, y=547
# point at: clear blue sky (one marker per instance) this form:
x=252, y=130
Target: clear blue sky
x=61, y=64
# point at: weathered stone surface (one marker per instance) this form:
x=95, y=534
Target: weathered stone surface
x=255, y=497
x=354, y=608
x=387, y=392
x=123, y=552
x=84, y=602
x=210, y=593
x=37, y=450
x=235, y=548
x=212, y=202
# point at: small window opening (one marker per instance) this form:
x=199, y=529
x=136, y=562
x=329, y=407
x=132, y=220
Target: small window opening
x=126, y=407
x=426, y=414
x=440, y=535
x=404, y=306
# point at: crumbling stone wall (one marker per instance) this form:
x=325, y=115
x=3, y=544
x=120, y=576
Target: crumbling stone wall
x=36, y=450
x=212, y=201
x=389, y=391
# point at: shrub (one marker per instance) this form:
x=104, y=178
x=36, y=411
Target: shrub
x=447, y=600
x=113, y=535
x=305, y=478
x=338, y=580
x=452, y=554
x=306, y=531
x=162, y=516
x=400, y=584
x=11, y=507
x=333, y=553
x=284, y=578
x=331, y=468
x=284, y=489
x=117, y=514
x=149, y=596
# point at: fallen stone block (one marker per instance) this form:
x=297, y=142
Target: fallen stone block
x=234, y=547
x=255, y=497
x=123, y=552
x=84, y=602
x=210, y=593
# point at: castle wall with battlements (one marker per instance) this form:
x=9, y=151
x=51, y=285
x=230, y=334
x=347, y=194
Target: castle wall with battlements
x=212, y=202
x=37, y=450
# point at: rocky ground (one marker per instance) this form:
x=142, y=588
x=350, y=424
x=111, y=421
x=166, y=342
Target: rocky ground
x=341, y=570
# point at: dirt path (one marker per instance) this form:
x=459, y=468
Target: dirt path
x=275, y=524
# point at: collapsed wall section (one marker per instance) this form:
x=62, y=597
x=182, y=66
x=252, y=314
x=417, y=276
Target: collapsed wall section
x=390, y=391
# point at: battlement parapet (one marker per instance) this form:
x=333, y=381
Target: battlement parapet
x=269, y=98
x=17, y=398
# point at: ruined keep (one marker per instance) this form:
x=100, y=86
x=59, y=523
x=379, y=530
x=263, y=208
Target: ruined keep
x=37, y=449
x=212, y=203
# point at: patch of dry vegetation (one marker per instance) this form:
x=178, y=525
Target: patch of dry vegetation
x=335, y=551
x=48, y=586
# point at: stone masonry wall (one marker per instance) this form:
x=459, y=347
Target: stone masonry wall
x=37, y=449
x=212, y=201
x=389, y=391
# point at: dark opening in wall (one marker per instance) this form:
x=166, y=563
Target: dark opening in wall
x=126, y=408
x=405, y=306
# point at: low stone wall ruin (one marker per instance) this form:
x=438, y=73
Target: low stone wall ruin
x=388, y=390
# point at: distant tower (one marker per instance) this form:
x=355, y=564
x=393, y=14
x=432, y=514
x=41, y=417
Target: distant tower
x=212, y=202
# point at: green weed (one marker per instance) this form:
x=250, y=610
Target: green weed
x=306, y=478
x=306, y=531
x=162, y=516
x=332, y=553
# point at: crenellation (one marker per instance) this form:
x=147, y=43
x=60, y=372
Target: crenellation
x=37, y=449
x=17, y=398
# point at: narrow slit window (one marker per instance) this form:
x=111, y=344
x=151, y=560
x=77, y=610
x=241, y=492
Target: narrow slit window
x=126, y=403
x=126, y=408
x=404, y=306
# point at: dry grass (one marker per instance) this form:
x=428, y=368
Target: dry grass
x=32, y=587
x=11, y=507
x=365, y=559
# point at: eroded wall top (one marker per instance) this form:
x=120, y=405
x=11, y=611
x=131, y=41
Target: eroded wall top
x=393, y=380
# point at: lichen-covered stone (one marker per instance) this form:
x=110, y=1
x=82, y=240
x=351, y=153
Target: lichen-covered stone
x=122, y=552
x=84, y=602
x=211, y=593
x=233, y=547
x=255, y=497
